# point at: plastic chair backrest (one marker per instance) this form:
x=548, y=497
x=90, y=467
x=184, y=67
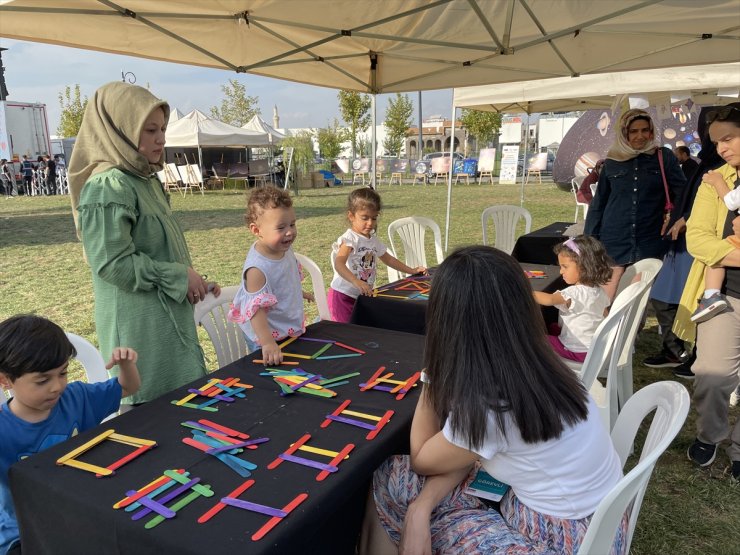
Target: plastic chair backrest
x=317, y=282
x=505, y=219
x=575, y=184
x=412, y=231
x=670, y=401
x=227, y=337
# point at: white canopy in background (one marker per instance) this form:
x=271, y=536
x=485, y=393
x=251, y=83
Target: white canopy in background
x=197, y=130
x=175, y=115
x=261, y=126
x=705, y=85
x=393, y=45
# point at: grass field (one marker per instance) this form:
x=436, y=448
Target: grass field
x=686, y=510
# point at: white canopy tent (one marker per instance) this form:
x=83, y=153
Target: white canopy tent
x=259, y=125
x=175, y=115
x=197, y=130
x=396, y=45
x=705, y=85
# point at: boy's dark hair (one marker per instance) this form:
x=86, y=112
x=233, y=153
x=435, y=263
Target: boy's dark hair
x=486, y=350
x=684, y=149
x=593, y=263
x=31, y=343
x=266, y=198
x=363, y=199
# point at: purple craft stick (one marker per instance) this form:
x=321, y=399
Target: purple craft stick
x=203, y=427
x=216, y=450
x=264, y=509
x=219, y=397
x=379, y=387
x=304, y=382
x=317, y=340
x=308, y=462
x=169, y=497
x=351, y=421
x=157, y=507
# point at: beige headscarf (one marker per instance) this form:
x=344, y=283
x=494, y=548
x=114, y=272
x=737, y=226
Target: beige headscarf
x=621, y=149
x=109, y=135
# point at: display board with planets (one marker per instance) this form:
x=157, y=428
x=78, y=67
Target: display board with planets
x=591, y=136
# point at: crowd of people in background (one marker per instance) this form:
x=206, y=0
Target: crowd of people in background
x=46, y=175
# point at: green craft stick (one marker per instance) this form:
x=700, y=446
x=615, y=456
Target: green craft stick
x=339, y=356
x=183, y=479
x=176, y=507
x=322, y=350
x=338, y=378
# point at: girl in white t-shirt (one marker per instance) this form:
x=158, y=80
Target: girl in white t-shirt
x=583, y=305
x=493, y=393
x=269, y=303
x=356, y=255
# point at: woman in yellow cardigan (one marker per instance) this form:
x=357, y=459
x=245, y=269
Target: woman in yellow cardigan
x=717, y=366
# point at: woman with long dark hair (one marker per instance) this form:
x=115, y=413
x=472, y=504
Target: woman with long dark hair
x=494, y=391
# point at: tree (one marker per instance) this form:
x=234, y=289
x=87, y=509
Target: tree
x=355, y=109
x=397, y=122
x=303, y=153
x=237, y=108
x=73, y=108
x=330, y=140
x=484, y=126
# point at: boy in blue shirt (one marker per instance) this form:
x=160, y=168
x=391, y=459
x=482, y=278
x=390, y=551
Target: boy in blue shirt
x=44, y=411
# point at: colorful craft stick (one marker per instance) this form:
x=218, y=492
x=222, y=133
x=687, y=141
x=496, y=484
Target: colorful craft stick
x=339, y=356
x=338, y=378
x=308, y=462
x=218, y=507
x=70, y=459
x=322, y=350
x=254, y=507
x=336, y=416
x=317, y=340
x=274, y=521
x=223, y=429
x=287, y=342
x=351, y=421
x=150, y=487
x=284, y=363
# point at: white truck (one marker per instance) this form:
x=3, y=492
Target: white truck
x=24, y=130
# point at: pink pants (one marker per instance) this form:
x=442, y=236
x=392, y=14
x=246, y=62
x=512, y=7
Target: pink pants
x=340, y=305
x=560, y=349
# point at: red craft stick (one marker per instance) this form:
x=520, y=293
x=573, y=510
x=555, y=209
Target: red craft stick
x=228, y=439
x=259, y=534
x=348, y=347
x=213, y=511
x=335, y=461
x=224, y=429
x=337, y=412
x=377, y=381
x=289, y=451
x=147, y=490
x=371, y=382
x=382, y=422
x=197, y=444
x=123, y=460
x=408, y=385
x=226, y=382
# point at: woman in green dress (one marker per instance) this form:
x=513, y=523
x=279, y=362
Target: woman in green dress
x=143, y=279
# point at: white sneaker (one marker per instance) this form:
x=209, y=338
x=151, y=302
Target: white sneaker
x=735, y=397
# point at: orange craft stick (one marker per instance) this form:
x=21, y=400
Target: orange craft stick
x=300, y=498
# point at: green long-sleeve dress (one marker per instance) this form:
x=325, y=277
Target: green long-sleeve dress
x=139, y=260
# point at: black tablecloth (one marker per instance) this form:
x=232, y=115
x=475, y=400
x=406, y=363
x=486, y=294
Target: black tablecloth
x=409, y=315
x=536, y=247
x=66, y=510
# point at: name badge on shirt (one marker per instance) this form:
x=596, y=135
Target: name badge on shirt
x=486, y=487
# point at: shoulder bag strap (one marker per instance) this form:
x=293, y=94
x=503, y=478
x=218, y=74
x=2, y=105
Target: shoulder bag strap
x=668, y=203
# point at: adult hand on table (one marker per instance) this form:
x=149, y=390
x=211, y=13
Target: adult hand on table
x=197, y=286
x=416, y=536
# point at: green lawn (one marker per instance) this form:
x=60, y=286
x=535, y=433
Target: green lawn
x=686, y=510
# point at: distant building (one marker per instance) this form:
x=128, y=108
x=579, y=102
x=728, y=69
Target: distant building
x=435, y=136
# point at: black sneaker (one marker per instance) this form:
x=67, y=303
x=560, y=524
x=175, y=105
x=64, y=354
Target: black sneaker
x=662, y=360
x=683, y=371
x=735, y=472
x=702, y=453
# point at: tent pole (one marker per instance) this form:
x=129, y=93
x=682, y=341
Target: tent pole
x=524, y=167
x=200, y=162
x=373, y=145
x=419, y=148
x=449, y=179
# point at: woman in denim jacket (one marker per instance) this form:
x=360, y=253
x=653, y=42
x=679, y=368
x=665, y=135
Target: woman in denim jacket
x=627, y=212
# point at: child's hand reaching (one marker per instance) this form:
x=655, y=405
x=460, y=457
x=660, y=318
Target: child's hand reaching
x=421, y=270
x=364, y=288
x=309, y=297
x=271, y=354
x=123, y=357
x=213, y=287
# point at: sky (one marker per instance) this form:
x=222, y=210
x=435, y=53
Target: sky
x=36, y=72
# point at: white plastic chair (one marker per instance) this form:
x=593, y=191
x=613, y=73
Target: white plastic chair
x=670, y=400
x=90, y=358
x=647, y=269
x=227, y=337
x=412, y=231
x=575, y=184
x=606, y=347
x=317, y=282
x=505, y=220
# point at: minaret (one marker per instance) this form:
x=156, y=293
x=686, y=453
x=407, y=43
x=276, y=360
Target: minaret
x=3, y=88
x=275, y=118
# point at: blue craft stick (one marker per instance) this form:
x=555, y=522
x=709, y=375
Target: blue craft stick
x=215, y=443
x=351, y=421
x=254, y=507
x=231, y=462
x=237, y=461
x=169, y=497
x=308, y=462
x=152, y=494
x=339, y=356
x=233, y=391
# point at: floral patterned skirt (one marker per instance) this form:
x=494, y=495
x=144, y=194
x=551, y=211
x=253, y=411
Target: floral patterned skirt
x=463, y=523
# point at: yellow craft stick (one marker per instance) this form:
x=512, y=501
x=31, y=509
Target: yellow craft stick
x=296, y=356
x=362, y=415
x=398, y=382
x=287, y=342
x=84, y=447
x=89, y=467
x=118, y=504
x=319, y=451
x=203, y=389
x=299, y=379
x=135, y=441
x=391, y=296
